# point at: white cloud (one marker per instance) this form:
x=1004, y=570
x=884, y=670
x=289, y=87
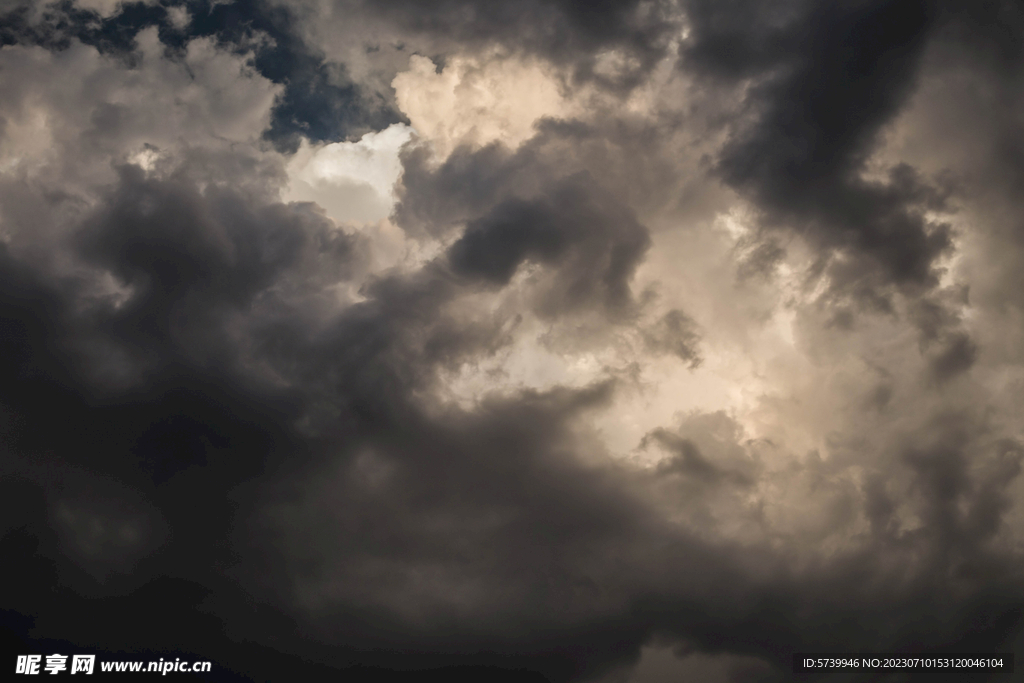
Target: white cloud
x=352, y=181
x=477, y=101
x=179, y=17
x=105, y=8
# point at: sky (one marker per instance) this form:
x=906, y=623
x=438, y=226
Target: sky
x=617, y=341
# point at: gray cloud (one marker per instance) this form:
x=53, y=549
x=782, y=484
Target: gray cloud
x=565, y=32
x=398, y=445
x=824, y=80
x=594, y=245
x=674, y=333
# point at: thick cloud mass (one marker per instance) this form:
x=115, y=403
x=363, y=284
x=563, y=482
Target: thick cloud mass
x=616, y=342
x=319, y=102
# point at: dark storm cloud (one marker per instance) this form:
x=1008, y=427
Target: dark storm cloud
x=188, y=261
x=888, y=581
x=963, y=509
x=176, y=393
x=675, y=333
x=478, y=531
x=434, y=540
x=569, y=32
x=949, y=348
x=824, y=79
x=594, y=244
x=166, y=447
x=232, y=459
x=436, y=200
x=605, y=151
x=539, y=204
x=687, y=459
x=320, y=101
x=187, y=256
x=956, y=357
x=761, y=261
x=979, y=53
x=147, y=399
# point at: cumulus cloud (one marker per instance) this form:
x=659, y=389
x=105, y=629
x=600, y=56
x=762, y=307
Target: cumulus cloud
x=467, y=102
x=352, y=181
x=615, y=342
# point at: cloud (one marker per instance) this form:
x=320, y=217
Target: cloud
x=352, y=181
x=104, y=8
x=674, y=334
x=821, y=84
x=614, y=44
x=467, y=102
x=319, y=100
x=595, y=247
x=674, y=341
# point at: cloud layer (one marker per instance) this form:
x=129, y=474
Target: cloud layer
x=614, y=342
